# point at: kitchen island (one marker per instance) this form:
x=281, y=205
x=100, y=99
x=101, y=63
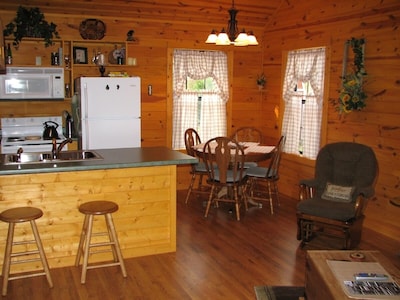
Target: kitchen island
x=142, y=181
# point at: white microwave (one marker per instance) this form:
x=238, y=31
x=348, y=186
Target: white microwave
x=36, y=83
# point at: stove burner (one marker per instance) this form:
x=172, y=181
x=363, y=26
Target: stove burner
x=15, y=139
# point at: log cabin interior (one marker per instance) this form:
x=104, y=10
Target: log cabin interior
x=280, y=26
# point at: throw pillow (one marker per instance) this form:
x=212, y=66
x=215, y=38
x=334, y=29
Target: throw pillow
x=338, y=193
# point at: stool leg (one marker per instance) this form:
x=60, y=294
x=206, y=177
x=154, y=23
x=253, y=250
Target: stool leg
x=41, y=252
x=111, y=237
x=7, y=258
x=110, y=224
x=82, y=240
x=86, y=247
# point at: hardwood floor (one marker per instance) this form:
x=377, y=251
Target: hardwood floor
x=216, y=258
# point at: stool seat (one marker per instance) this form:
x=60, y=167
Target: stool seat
x=98, y=207
x=13, y=216
x=90, y=210
x=21, y=214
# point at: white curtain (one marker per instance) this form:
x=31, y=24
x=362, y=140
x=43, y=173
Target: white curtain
x=212, y=114
x=302, y=119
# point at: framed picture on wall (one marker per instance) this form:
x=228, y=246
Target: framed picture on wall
x=80, y=55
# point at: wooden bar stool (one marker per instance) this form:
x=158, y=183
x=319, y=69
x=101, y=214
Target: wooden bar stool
x=90, y=209
x=20, y=215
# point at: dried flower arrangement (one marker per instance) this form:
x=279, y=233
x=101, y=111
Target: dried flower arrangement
x=352, y=96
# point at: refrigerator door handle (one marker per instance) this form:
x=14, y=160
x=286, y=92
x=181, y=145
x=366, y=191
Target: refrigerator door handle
x=86, y=140
x=86, y=102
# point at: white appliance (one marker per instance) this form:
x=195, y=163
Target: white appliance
x=27, y=133
x=106, y=111
x=21, y=83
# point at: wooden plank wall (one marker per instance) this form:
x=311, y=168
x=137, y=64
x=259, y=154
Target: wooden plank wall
x=296, y=24
x=304, y=24
x=145, y=221
x=153, y=64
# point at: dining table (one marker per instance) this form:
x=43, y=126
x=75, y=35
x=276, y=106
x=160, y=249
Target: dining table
x=253, y=152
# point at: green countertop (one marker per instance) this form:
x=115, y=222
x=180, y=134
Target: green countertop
x=112, y=159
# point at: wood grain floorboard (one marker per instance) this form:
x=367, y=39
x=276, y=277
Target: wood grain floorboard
x=216, y=258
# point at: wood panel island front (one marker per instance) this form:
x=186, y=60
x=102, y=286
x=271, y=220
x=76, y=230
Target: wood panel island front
x=142, y=181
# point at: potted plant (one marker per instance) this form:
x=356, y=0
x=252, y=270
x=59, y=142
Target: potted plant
x=31, y=23
x=261, y=81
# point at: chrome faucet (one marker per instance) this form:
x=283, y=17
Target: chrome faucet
x=56, y=150
x=19, y=152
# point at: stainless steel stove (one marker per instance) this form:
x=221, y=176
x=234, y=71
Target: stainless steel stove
x=27, y=133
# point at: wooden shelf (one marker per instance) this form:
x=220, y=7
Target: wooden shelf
x=30, y=48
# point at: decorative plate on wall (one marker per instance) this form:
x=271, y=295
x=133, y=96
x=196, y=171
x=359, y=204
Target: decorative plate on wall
x=113, y=55
x=92, y=29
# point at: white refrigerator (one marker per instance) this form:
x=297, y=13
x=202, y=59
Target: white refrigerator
x=107, y=112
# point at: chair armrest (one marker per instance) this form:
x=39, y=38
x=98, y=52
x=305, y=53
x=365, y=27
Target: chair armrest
x=360, y=205
x=366, y=191
x=363, y=195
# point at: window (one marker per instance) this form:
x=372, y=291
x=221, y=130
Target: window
x=203, y=87
x=303, y=90
x=200, y=85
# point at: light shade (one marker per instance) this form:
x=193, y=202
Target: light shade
x=222, y=38
x=242, y=39
x=252, y=39
x=212, y=37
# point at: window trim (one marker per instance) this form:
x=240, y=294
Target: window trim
x=325, y=106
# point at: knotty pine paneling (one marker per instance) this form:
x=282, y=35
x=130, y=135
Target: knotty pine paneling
x=246, y=109
x=311, y=15
x=292, y=25
x=253, y=14
x=301, y=25
x=145, y=221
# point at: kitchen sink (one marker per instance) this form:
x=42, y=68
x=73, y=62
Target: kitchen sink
x=47, y=157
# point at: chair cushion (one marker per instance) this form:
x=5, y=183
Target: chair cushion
x=332, y=210
x=259, y=172
x=338, y=193
x=250, y=164
x=200, y=167
x=229, y=177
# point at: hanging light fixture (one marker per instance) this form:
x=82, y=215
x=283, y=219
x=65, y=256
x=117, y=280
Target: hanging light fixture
x=232, y=36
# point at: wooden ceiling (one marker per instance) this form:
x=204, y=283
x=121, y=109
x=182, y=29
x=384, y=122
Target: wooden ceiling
x=252, y=13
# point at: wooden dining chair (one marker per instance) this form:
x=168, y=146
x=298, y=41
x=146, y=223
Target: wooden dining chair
x=247, y=134
x=224, y=161
x=262, y=182
x=198, y=170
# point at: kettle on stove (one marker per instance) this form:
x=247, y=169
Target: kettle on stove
x=50, y=131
